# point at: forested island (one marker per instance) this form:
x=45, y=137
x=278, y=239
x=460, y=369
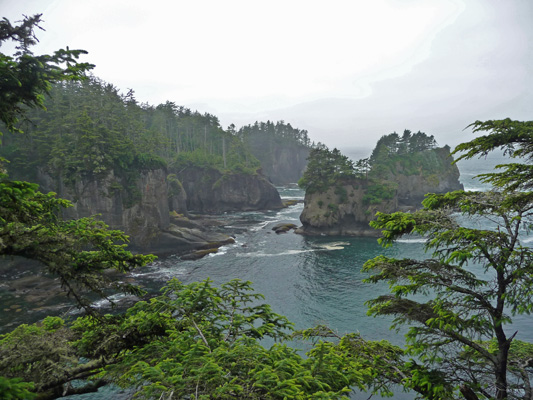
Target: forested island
x=198, y=341
x=343, y=196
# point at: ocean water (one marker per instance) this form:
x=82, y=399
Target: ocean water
x=311, y=280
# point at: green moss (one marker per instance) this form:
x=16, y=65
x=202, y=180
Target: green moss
x=174, y=185
x=333, y=207
x=433, y=179
x=379, y=192
x=342, y=194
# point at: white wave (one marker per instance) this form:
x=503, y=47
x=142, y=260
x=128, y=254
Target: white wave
x=285, y=253
x=105, y=302
x=527, y=240
x=221, y=251
x=170, y=272
x=137, y=274
x=326, y=247
x=162, y=271
x=421, y=240
x=284, y=220
x=477, y=189
x=332, y=246
x=260, y=226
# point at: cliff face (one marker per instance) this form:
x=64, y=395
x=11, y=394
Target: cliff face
x=142, y=211
x=282, y=164
x=444, y=177
x=210, y=191
x=341, y=210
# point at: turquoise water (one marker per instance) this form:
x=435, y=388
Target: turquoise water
x=309, y=280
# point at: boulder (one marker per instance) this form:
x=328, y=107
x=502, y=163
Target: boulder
x=283, y=227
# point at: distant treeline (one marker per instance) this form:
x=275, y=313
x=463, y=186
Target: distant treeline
x=261, y=133
x=90, y=128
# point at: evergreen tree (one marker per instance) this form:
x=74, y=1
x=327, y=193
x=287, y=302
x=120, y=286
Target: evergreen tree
x=477, y=280
x=326, y=168
x=78, y=251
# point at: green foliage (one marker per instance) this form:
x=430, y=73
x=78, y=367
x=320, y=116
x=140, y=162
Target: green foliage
x=411, y=154
x=75, y=251
x=15, y=389
x=515, y=138
x=201, y=341
x=146, y=161
x=26, y=78
x=378, y=192
x=454, y=307
x=264, y=135
x=89, y=129
x=393, y=145
x=333, y=207
x=326, y=168
x=37, y=353
x=342, y=193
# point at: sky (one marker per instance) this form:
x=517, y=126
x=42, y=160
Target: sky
x=348, y=71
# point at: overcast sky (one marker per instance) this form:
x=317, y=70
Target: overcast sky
x=347, y=71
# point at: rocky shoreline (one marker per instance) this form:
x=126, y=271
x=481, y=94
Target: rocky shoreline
x=26, y=293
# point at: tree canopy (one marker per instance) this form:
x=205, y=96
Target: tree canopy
x=325, y=168
x=394, y=145
x=27, y=78
x=77, y=251
x=515, y=138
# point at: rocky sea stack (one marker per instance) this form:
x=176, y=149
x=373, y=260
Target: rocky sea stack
x=342, y=197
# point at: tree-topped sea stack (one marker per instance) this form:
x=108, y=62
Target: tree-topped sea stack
x=343, y=196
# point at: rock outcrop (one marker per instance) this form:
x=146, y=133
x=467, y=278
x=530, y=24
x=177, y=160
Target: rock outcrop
x=141, y=208
x=141, y=211
x=326, y=213
x=211, y=192
x=413, y=187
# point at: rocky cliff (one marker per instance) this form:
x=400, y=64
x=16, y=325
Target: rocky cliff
x=210, y=191
x=141, y=210
x=413, y=183
x=142, y=207
x=342, y=210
